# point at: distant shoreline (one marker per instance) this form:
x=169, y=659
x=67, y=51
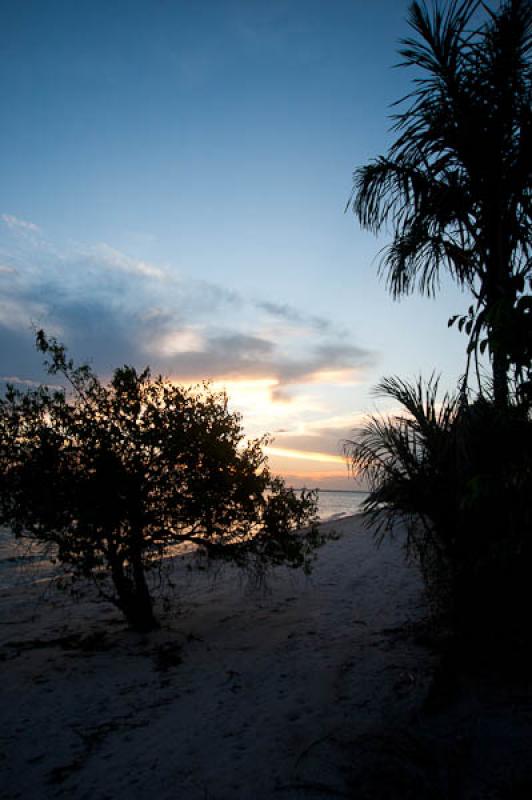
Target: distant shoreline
x=330, y=491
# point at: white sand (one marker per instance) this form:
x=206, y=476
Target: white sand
x=271, y=691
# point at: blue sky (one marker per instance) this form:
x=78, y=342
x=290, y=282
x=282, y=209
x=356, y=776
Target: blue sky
x=174, y=178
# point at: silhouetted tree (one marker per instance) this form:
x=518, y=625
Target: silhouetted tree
x=455, y=185
x=113, y=475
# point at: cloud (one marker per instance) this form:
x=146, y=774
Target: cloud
x=329, y=432
x=283, y=366
x=330, y=480
x=22, y=225
x=112, y=308
x=290, y=314
x=16, y=313
x=326, y=363
x=232, y=354
x=16, y=381
x=242, y=346
x=104, y=255
x=304, y=455
x=204, y=297
x=186, y=340
x=282, y=310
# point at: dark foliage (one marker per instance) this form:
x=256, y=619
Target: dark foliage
x=455, y=186
x=458, y=474
x=111, y=476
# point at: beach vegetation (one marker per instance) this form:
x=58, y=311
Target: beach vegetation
x=112, y=476
x=454, y=189
x=455, y=185
x=457, y=474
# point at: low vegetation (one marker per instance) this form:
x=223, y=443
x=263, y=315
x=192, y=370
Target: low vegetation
x=458, y=474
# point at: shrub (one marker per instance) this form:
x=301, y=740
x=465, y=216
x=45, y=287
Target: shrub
x=111, y=476
x=458, y=474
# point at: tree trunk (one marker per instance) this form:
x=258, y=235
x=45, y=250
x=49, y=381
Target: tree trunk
x=134, y=597
x=502, y=293
x=500, y=297
x=145, y=617
x=500, y=378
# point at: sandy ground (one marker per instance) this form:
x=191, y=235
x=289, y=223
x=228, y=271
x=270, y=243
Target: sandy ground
x=311, y=688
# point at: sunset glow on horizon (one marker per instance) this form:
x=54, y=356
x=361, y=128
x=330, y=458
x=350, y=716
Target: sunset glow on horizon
x=303, y=455
x=193, y=219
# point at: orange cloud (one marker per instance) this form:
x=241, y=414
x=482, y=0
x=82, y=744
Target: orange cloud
x=305, y=455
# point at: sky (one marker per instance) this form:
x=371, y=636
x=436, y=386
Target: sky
x=174, y=183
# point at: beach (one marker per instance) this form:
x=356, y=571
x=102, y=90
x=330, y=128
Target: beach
x=286, y=690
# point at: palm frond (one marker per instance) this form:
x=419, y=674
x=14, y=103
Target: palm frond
x=455, y=187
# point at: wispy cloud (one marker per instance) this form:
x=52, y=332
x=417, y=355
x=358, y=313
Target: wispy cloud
x=15, y=223
x=304, y=455
x=107, y=256
x=17, y=314
x=289, y=313
x=16, y=381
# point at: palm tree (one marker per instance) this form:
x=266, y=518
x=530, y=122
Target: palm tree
x=458, y=476
x=456, y=183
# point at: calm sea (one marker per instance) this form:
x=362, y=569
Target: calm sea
x=332, y=505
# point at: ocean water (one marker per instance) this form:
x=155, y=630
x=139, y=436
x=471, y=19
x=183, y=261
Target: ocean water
x=333, y=505
x=25, y=563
